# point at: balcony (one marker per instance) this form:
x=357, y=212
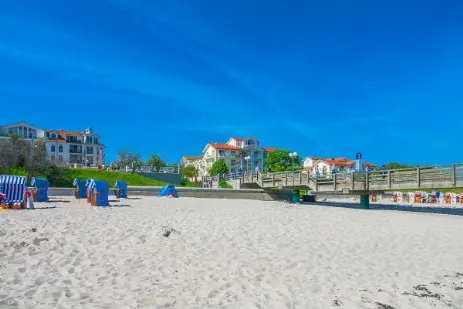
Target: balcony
x=74, y=141
x=78, y=151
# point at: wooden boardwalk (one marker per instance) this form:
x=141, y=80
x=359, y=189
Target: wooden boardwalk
x=429, y=177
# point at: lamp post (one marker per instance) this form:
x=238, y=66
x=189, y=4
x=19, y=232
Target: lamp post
x=247, y=158
x=295, y=195
x=292, y=155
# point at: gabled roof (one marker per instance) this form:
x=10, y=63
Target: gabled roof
x=18, y=122
x=239, y=139
x=192, y=158
x=269, y=150
x=222, y=146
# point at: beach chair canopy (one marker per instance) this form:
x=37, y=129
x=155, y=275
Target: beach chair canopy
x=14, y=188
x=99, y=186
x=121, y=184
x=39, y=183
x=79, y=184
x=168, y=190
x=88, y=182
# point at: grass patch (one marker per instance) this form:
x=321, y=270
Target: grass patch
x=108, y=176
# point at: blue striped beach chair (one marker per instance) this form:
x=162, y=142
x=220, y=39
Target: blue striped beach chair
x=40, y=193
x=121, y=189
x=100, y=192
x=89, y=186
x=14, y=187
x=80, y=190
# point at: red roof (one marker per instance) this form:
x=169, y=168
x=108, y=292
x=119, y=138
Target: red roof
x=269, y=150
x=238, y=139
x=224, y=146
x=193, y=158
x=369, y=164
x=339, y=161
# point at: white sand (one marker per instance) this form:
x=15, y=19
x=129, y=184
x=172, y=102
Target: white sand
x=228, y=254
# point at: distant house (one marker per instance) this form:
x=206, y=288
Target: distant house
x=309, y=162
x=325, y=166
x=229, y=152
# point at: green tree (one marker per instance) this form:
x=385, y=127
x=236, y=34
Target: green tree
x=156, y=161
x=280, y=161
x=396, y=165
x=218, y=168
x=127, y=158
x=189, y=171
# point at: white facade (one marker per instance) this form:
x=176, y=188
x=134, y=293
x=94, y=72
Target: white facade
x=230, y=153
x=63, y=147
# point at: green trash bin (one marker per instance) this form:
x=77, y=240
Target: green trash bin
x=365, y=201
x=295, y=197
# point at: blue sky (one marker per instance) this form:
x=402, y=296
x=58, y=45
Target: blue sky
x=322, y=78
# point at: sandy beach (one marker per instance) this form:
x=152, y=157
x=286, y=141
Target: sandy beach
x=150, y=252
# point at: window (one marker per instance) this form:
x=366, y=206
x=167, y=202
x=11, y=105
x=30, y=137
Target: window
x=233, y=153
x=89, y=150
x=250, y=142
x=90, y=159
x=53, y=148
x=60, y=148
x=60, y=159
x=95, y=140
x=222, y=153
x=52, y=158
x=89, y=140
x=256, y=153
x=32, y=133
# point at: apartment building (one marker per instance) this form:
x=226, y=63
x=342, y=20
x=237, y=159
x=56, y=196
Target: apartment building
x=63, y=147
x=240, y=154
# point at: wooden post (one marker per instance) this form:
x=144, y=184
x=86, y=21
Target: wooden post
x=308, y=176
x=353, y=182
x=454, y=175
x=367, y=181
x=293, y=178
x=286, y=179
x=418, y=178
x=389, y=179
x=273, y=180
x=252, y=177
x=334, y=182
x=300, y=177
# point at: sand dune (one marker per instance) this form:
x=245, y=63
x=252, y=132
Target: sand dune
x=152, y=252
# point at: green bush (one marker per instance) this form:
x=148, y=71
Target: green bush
x=187, y=183
x=224, y=184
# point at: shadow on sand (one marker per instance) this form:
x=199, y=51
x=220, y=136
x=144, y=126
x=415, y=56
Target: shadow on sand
x=58, y=201
x=416, y=209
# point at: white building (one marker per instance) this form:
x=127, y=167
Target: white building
x=63, y=147
x=232, y=154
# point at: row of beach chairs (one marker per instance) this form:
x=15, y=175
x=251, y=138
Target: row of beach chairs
x=13, y=191
x=97, y=192
x=424, y=197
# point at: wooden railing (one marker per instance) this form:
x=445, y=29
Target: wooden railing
x=427, y=177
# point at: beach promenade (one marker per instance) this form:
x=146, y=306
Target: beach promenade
x=150, y=252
